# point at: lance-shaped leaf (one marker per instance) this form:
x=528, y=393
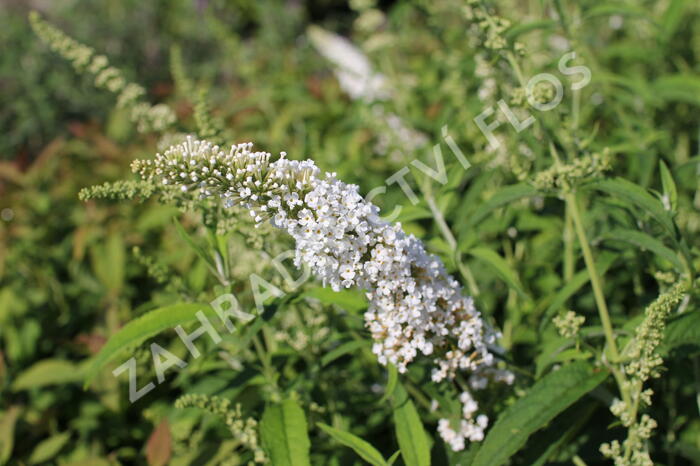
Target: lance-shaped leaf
x=284, y=434
x=413, y=440
x=364, y=449
x=548, y=397
x=143, y=327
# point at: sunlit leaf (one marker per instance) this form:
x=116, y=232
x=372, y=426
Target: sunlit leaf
x=351, y=300
x=500, y=266
x=48, y=372
x=392, y=380
x=364, y=449
x=413, y=440
x=49, y=448
x=284, y=434
x=143, y=327
x=8, y=419
x=670, y=199
x=682, y=330
x=342, y=350
x=645, y=242
x=504, y=196
x=624, y=189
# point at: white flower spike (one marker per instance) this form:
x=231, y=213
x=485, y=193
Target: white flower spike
x=414, y=305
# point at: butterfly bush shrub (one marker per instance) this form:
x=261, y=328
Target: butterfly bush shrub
x=575, y=235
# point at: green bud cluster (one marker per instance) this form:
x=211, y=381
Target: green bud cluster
x=216, y=217
x=568, y=324
x=491, y=27
x=568, y=176
x=148, y=118
x=649, y=334
x=120, y=190
x=639, y=433
x=157, y=271
x=244, y=430
x=641, y=363
x=208, y=126
x=541, y=93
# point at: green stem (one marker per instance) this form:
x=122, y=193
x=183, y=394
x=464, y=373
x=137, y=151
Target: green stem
x=572, y=204
x=633, y=409
x=568, y=228
x=568, y=246
x=510, y=56
x=451, y=241
x=576, y=112
x=265, y=360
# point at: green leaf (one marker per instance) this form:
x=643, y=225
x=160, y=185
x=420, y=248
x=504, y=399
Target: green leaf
x=364, y=449
x=500, y=266
x=565, y=355
x=144, y=327
x=632, y=85
x=284, y=434
x=678, y=88
x=523, y=28
x=200, y=251
x=671, y=19
x=8, y=419
x=646, y=242
x=682, y=330
x=413, y=440
x=49, y=448
x=410, y=213
x=542, y=446
x=670, y=199
x=345, y=348
x=621, y=188
x=504, y=196
x=548, y=349
x=351, y=300
x=392, y=459
x=391, y=382
x=464, y=457
x=48, y=372
x=548, y=397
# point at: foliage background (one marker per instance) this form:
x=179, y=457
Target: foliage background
x=69, y=277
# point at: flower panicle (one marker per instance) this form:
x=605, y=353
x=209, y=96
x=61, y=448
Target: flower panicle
x=644, y=359
x=415, y=306
x=642, y=362
x=84, y=59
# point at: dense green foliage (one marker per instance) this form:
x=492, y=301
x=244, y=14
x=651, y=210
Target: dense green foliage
x=578, y=236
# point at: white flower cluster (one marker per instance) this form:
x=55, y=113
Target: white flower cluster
x=352, y=67
x=473, y=430
x=359, y=80
x=414, y=305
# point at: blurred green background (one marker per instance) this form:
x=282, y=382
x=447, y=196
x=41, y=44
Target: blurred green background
x=69, y=277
